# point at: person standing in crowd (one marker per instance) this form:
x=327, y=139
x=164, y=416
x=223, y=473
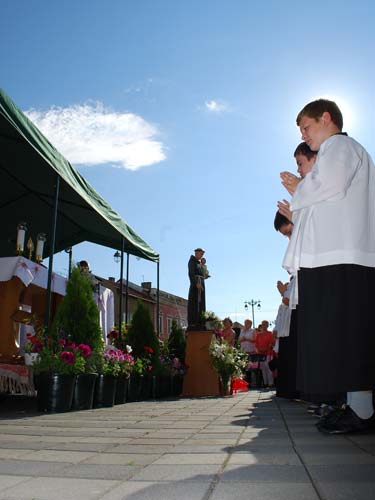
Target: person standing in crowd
x=264, y=343
x=285, y=326
x=197, y=295
x=247, y=338
x=227, y=332
x=332, y=248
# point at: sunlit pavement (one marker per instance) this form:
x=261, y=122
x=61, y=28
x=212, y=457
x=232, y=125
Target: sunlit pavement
x=249, y=446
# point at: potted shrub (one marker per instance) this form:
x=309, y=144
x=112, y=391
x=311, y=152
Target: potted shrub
x=126, y=362
x=163, y=373
x=141, y=336
x=108, y=370
x=83, y=395
x=178, y=369
x=77, y=317
x=55, y=372
x=177, y=349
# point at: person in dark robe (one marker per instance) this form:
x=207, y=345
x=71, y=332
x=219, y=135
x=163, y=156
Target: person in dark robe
x=197, y=296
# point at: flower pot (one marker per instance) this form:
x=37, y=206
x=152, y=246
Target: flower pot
x=134, y=387
x=225, y=386
x=83, y=395
x=54, y=391
x=163, y=386
x=121, y=389
x=146, y=389
x=104, y=392
x=177, y=383
x=31, y=358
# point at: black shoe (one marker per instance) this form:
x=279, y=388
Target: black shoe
x=313, y=407
x=345, y=422
x=324, y=410
x=332, y=416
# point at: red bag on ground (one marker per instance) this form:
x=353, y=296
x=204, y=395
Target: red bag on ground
x=239, y=385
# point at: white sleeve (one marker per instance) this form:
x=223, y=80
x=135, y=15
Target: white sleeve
x=336, y=166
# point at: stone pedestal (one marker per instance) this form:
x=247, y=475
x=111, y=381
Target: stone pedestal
x=201, y=379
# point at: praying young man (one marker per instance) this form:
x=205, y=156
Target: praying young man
x=332, y=252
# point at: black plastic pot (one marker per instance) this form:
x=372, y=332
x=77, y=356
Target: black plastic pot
x=104, y=393
x=134, y=388
x=177, y=384
x=163, y=387
x=54, y=392
x=121, y=389
x=83, y=395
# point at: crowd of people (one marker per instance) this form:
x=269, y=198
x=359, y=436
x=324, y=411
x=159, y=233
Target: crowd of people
x=325, y=324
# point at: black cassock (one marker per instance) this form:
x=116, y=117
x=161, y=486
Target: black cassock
x=197, y=298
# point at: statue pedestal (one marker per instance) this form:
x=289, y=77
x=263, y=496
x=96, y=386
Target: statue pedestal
x=201, y=379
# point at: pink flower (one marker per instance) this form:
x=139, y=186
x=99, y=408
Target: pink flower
x=62, y=342
x=68, y=357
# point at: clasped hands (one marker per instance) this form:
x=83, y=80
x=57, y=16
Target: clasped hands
x=290, y=182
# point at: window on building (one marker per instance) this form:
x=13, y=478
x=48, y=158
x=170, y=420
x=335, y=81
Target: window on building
x=169, y=324
x=161, y=323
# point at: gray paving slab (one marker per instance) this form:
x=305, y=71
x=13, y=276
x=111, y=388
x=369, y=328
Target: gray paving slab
x=192, y=472
x=343, y=473
x=265, y=473
x=55, y=488
x=335, y=490
x=145, y=490
x=192, y=459
x=131, y=459
x=100, y=471
x=265, y=491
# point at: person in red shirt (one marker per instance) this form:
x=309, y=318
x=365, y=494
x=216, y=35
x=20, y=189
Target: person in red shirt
x=264, y=344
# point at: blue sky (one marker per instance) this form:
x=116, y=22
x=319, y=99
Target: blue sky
x=181, y=114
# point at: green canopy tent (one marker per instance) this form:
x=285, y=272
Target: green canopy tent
x=40, y=187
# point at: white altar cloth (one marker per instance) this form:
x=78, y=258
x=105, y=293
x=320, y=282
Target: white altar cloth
x=30, y=272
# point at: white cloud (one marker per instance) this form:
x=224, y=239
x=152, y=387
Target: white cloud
x=90, y=134
x=216, y=106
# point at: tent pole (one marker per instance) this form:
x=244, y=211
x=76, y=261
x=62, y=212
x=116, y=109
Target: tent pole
x=121, y=287
x=158, y=297
x=52, y=251
x=127, y=290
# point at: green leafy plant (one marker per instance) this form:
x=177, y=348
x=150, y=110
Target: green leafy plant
x=141, y=336
x=176, y=341
x=77, y=317
x=61, y=357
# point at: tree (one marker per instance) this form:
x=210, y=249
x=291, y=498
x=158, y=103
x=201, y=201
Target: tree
x=77, y=317
x=141, y=334
x=177, y=341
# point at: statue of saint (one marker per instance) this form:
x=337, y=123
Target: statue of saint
x=197, y=296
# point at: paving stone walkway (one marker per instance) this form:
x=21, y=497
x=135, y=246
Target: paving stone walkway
x=250, y=446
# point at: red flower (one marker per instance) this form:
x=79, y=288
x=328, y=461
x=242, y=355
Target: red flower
x=85, y=350
x=149, y=349
x=71, y=345
x=62, y=342
x=68, y=357
x=112, y=334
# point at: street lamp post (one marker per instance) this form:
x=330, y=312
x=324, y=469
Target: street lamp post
x=252, y=303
